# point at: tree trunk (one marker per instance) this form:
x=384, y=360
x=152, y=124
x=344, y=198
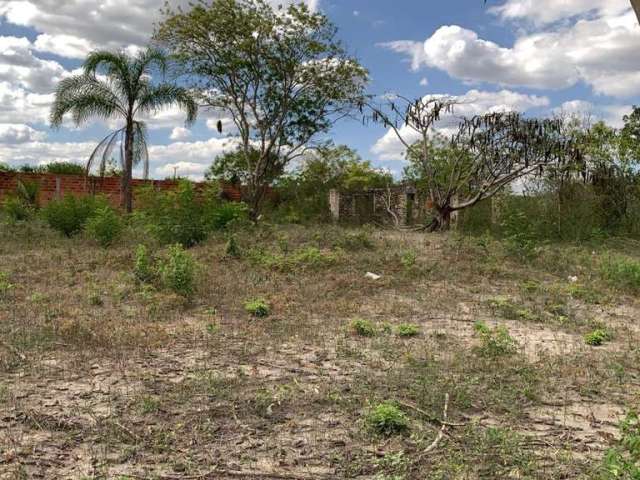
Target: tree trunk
x=442, y=219
x=127, y=175
x=256, y=196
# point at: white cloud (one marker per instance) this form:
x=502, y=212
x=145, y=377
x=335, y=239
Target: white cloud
x=549, y=11
x=67, y=46
x=37, y=153
x=474, y=102
x=19, y=66
x=180, y=133
x=12, y=133
x=424, y=82
x=17, y=105
x=194, y=157
x=601, y=52
x=610, y=114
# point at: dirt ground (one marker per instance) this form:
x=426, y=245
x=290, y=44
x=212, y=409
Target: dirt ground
x=102, y=377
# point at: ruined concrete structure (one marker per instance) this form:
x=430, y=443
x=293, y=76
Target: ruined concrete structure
x=398, y=205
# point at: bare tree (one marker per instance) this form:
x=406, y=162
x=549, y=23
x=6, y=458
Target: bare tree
x=482, y=155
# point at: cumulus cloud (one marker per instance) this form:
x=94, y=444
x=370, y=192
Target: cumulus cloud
x=610, y=114
x=180, y=133
x=474, y=102
x=18, y=105
x=19, y=66
x=601, y=52
x=12, y=133
x=549, y=11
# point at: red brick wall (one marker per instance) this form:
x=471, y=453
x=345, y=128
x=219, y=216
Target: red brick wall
x=52, y=185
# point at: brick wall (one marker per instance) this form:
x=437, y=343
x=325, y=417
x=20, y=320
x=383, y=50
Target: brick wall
x=54, y=186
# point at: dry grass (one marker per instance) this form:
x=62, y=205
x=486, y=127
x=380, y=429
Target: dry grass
x=103, y=377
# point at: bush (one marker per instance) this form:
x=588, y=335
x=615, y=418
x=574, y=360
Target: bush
x=495, y=342
x=178, y=270
x=622, y=272
x=231, y=248
x=408, y=330
x=226, y=213
x=257, y=308
x=63, y=168
x=173, y=216
x=364, y=328
x=598, y=337
x=387, y=419
x=623, y=461
x=70, y=215
x=16, y=209
x=28, y=192
x=105, y=226
x=143, y=266
x=355, y=241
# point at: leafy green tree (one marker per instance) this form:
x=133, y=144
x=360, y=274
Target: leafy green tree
x=234, y=167
x=282, y=77
x=115, y=86
x=326, y=168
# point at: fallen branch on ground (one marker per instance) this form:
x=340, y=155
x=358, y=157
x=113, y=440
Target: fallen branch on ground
x=431, y=418
x=442, y=431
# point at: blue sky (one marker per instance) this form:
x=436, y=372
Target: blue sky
x=536, y=56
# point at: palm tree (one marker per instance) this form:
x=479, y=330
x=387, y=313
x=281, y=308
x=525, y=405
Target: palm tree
x=114, y=85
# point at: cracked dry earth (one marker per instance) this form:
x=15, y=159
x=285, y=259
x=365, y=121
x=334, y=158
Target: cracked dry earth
x=189, y=409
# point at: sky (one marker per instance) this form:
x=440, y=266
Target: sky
x=539, y=57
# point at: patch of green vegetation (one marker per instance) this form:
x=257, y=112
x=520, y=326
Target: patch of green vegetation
x=5, y=286
x=364, y=328
x=387, y=419
x=621, y=272
x=232, y=249
x=408, y=330
x=355, y=241
x=496, y=342
x=177, y=271
x=306, y=257
x=149, y=404
x=143, y=264
x=622, y=462
x=408, y=259
x=105, y=226
x=506, y=308
x=258, y=308
x=586, y=294
x=597, y=337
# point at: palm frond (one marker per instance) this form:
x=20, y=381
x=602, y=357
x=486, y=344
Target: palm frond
x=140, y=149
x=84, y=96
x=100, y=152
x=146, y=59
x=157, y=97
x=116, y=65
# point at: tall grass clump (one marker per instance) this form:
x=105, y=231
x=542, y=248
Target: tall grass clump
x=177, y=271
x=621, y=272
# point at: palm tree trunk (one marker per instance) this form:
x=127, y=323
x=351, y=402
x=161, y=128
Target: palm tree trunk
x=127, y=175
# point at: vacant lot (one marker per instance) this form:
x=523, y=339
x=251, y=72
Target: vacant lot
x=103, y=376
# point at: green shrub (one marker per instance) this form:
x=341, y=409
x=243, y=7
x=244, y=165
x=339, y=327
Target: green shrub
x=258, y=308
x=621, y=272
x=387, y=419
x=105, y=226
x=354, y=241
x=232, y=249
x=408, y=330
x=6, y=168
x=408, y=259
x=494, y=342
x=362, y=327
x=70, y=214
x=5, y=285
x=227, y=213
x=16, y=209
x=143, y=265
x=308, y=257
x=623, y=461
x=178, y=270
x=64, y=168
x=175, y=216
x=28, y=193
x=597, y=337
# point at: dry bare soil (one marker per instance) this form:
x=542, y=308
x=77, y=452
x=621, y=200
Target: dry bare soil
x=102, y=377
